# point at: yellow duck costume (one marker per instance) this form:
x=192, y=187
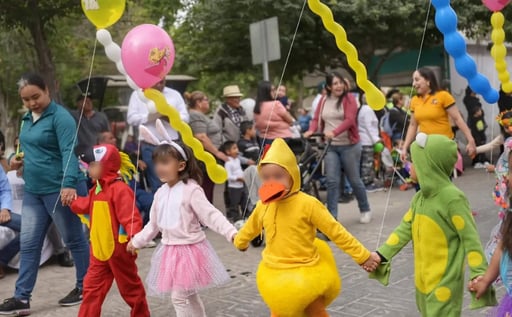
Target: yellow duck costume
x=296, y=268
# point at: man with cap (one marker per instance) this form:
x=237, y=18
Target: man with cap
x=138, y=114
x=92, y=122
x=230, y=114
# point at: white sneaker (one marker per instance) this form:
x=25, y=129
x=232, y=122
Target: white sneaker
x=366, y=217
x=479, y=165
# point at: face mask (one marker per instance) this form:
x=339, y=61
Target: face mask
x=272, y=191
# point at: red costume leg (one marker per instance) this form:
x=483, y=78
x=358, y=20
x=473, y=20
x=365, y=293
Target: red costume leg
x=97, y=283
x=317, y=308
x=130, y=286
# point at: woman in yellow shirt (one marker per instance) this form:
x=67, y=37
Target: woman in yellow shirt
x=432, y=109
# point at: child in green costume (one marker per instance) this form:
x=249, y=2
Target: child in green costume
x=444, y=234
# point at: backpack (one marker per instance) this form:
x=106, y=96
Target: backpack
x=385, y=124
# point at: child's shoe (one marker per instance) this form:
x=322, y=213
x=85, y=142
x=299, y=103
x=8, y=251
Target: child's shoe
x=366, y=217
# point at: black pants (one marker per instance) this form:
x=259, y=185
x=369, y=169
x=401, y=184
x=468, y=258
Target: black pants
x=237, y=202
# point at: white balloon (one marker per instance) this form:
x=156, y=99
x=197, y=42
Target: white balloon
x=113, y=52
x=120, y=67
x=104, y=37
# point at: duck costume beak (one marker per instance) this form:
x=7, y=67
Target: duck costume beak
x=272, y=191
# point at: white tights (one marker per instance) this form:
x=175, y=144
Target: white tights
x=187, y=304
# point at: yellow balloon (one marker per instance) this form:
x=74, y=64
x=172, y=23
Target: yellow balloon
x=216, y=172
x=499, y=51
x=374, y=96
x=103, y=13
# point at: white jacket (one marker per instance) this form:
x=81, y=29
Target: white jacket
x=368, y=126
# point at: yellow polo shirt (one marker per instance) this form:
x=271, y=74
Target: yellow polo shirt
x=431, y=115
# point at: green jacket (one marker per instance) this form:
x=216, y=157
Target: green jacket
x=48, y=147
x=443, y=232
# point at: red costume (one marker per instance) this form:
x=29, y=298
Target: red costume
x=109, y=207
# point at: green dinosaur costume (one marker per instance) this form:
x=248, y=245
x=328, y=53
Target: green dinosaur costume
x=443, y=232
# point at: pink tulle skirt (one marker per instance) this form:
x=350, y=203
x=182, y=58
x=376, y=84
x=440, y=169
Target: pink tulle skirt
x=504, y=309
x=185, y=268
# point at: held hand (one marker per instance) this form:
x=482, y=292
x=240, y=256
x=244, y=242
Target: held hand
x=479, y=286
x=250, y=162
x=5, y=216
x=471, y=149
x=241, y=179
x=221, y=156
x=372, y=263
x=131, y=249
x=67, y=195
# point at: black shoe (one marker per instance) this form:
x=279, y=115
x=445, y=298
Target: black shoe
x=65, y=259
x=13, y=306
x=346, y=198
x=73, y=298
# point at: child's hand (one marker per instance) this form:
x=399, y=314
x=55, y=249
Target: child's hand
x=372, y=263
x=131, y=249
x=478, y=285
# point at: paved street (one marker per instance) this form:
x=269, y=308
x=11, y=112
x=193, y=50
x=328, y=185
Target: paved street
x=360, y=296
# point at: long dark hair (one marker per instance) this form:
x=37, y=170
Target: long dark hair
x=430, y=76
x=264, y=94
x=506, y=232
x=191, y=170
x=329, y=79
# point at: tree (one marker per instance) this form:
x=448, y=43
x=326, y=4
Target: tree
x=214, y=37
x=37, y=17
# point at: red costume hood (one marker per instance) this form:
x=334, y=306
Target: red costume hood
x=110, y=160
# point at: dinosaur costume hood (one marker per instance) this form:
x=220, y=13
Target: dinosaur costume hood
x=280, y=154
x=434, y=158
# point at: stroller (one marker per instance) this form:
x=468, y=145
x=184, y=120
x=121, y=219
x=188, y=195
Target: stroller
x=310, y=155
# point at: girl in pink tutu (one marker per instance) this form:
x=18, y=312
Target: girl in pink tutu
x=184, y=262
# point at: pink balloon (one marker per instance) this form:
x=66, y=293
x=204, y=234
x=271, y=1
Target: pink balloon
x=496, y=5
x=147, y=54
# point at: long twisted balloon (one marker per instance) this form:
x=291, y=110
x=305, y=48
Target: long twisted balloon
x=216, y=172
x=455, y=45
x=499, y=51
x=374, y=96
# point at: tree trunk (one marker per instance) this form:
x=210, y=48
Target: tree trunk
x=44, y=57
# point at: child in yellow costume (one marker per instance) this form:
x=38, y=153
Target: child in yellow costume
x=297, y=275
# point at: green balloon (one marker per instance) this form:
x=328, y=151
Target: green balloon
x=378, y=147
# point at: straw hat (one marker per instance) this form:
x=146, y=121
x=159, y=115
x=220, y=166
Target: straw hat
x=231, y=91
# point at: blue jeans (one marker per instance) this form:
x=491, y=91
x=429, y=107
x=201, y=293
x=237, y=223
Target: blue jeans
x=147, y=157
x=38, y=213
x=13, y=247
x=348, y=158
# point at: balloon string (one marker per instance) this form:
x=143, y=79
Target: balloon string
x=75, y=137
x=395, y=161
x=275, y=99
x=135, y=188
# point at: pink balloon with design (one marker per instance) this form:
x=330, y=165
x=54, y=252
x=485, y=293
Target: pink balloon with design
x=496, y=5
x=148, y=54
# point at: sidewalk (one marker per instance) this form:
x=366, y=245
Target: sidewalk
x=360, y=296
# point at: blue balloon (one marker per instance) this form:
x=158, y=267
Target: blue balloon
x=466, y=66
x=446, y=20
x=479, y=83
x=454, y=44
x=492, y=96
x=440, y=3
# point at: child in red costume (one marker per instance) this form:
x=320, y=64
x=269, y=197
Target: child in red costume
x=110, y=210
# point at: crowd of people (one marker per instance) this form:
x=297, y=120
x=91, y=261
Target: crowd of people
x=124, y=201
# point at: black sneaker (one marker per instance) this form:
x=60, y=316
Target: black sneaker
x=65, y=259
x=13, y=306
x=73, y=298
